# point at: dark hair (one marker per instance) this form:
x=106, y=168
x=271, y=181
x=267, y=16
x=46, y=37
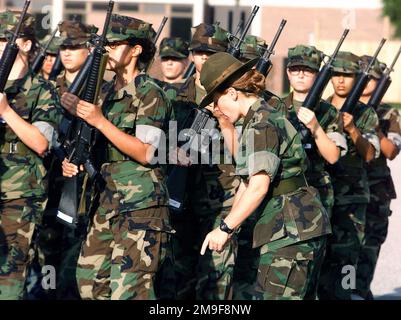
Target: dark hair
x=252, y=82
x=148, y=51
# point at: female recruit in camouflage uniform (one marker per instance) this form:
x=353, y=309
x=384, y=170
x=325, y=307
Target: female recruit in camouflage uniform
x=349, y=177
x=128, y=237
x=28, y=119
x=270, y=160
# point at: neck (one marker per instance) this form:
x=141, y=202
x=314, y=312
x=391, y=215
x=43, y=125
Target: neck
x=20, y=68
x=246, y=103
x=365, y=99
x=338, y=101
x=125, y=76
x=197, y=79
x=299, y=96
x=70, y=76
x=169, y=80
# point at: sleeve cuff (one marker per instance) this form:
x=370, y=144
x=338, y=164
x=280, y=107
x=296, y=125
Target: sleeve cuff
x=149, y=134
x=340, y=142
x=395, y=138
x=374, y=140
x=257, y=162
x=47, y=131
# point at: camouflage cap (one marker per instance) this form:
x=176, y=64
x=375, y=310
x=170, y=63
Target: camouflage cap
x=346, y=62
x=53, y=46
x=307, y=56
x=124, y=28
x=75, y=33
x=9, y=20
x=252, y=47
x=376, y=71
x=174, y=47
x=209, y=37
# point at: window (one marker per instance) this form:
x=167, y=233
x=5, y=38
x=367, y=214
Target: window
x=100, y=6
x=128, y=7
x=75, y=5
x=181, y=9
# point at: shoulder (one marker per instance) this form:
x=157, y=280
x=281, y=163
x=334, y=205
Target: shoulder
x=147, y=87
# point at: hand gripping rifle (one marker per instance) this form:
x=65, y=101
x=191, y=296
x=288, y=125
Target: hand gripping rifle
x=11, y=50
x=360, y=83
x=264, y=64
x=383, y=84
x=200, y=120
x=79, y=150
x=40, y=58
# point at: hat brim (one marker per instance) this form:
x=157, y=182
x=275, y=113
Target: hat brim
x=236, y=74
x=302, y=64
x=173, y=55
x=342, y=70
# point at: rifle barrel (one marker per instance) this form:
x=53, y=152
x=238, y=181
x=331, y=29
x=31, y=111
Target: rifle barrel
x=339, y=44
x=159, y=31
x=23, y=13
x=369, y=66
x=391, y=68
x=108, y=18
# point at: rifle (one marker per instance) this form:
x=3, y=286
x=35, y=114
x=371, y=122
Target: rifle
x=264, y=64
x=383, y=84
x=323, y=78
x=57, y=68
x=83, y=137
x=38, y=62
x=200, y=119
x=360, y=83
x=155, y=39
x=11, y=50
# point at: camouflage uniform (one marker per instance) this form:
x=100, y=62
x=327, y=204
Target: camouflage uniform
x=23, y=176
x=351, y=194
x=247, y=257
x=210, y=195
x=382, y=190
x=128, y=239
x=290, y=223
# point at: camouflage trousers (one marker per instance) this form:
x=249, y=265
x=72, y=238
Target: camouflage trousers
x=207, y=277
x=17, y=224
x=343, y=250
x=377, y=219
x=289, y=273
x=121, y=256
x=246, y=263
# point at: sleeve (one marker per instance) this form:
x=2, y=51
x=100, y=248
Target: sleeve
x=258, y=151
x=394, y=132
x=46, y=114
x=151, y=118
x=332, y=127
x=368, y=124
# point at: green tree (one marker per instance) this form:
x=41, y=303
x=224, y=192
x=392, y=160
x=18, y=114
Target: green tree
x=392, y=9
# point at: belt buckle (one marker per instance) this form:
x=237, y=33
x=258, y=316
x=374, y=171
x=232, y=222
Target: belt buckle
x=13, y=147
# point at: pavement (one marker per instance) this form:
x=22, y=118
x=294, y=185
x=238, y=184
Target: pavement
x=386, y=284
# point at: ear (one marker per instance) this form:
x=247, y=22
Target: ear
x=191, y=57
x=288, y=73
x=26, y=46
x=137, y=50
x=233, y=93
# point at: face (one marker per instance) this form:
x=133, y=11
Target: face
x=342, y=83
x=301, y=78
x=199, y=58
x=23, y=45
x=73, y=57
x=48, y=64
x=121, y=55
x=370, y=87
x=173, y=68
x=227, y=103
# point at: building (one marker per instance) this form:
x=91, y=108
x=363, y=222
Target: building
x=317, y=22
